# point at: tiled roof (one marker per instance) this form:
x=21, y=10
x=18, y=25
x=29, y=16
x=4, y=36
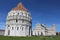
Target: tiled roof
x=20, y=7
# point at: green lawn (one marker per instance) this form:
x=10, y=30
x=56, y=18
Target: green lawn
x=30, y=38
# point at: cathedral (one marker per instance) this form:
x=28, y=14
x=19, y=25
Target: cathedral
x=18, y=22
x=41, y=30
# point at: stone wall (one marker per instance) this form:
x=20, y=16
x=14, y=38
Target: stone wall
x=2, y=32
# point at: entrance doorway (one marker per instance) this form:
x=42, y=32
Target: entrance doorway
x=8, y=32
x=41, y=34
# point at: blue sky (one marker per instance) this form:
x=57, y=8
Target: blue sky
x=42, y=11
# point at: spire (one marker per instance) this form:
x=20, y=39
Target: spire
x=20, y=7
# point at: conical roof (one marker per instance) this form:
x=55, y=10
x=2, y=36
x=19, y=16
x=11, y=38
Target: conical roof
x=20, y=7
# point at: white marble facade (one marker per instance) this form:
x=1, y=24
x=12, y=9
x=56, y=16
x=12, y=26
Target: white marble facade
x=41, y=30
x=19, y=22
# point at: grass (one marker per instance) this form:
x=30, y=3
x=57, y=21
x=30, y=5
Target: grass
x=30, y=38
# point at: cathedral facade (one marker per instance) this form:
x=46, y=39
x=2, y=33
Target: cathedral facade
x=41, y=30
x=19, y=22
